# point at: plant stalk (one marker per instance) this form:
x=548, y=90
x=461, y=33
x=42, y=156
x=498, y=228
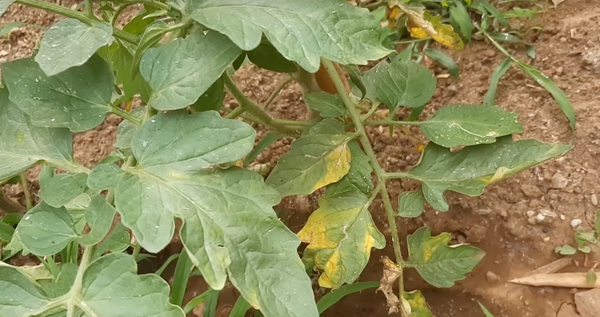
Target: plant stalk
x=180, y=278
x=379, y=172
x=126, y=115
x=392, y=122
x=26, y=191
x=280, y=85
x=89, y=8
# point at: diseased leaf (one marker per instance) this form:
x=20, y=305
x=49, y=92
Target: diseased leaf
x=453, y=126
x=410, y=204
x=71, y=43
x=303, y=33
x=315, y=161
x=439, y=264
x=99, y=216
x=19, y=297
x=46, y=230
x=444, y=60
x=469, y=170
x=402, y=83
x=212, y=99
x=490, y=96
x=22, y=144
x=229, y=226
x=181, y=71
x=328, y=105
x=418, y=305
x=111, y=288
x=267, y=57
x=391, y=272
x=62, y=188
x=358, y=177
x=335, y=296
x=103, y=176
x=340, y=234
x=77, y=98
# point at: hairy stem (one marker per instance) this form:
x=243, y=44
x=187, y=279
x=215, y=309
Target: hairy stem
x=126, y=115
x=75, y=15
x=26, y=191
x=379, y=172
x=278, y=87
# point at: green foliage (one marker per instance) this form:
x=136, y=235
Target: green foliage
x=178, y=159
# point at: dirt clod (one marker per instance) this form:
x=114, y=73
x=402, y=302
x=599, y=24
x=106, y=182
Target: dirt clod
x=588, y=303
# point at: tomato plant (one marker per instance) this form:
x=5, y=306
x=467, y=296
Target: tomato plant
x=182, y=155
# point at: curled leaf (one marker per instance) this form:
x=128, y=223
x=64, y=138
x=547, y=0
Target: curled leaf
x=391, y=272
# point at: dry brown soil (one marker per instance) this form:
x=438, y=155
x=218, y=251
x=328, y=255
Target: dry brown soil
x=504, y=221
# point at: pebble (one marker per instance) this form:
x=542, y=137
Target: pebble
x=530, y=213
x=492, y=277
x=594, y=199
x=559, y=181
x=587, y=303
x=575, y=223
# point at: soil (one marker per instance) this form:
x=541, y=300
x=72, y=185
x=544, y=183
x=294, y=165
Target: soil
x=504, y=221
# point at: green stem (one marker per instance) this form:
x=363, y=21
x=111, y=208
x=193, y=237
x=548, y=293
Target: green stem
x=89, y=9
x=126, y=115
x=379, y=172
x=74, y=294
x=393, y=122
x=164, y=266
x=280, y=85
x=26, y=191
x=136, y=251
x=155, y=4
x=180, y=278
x=396, y=175
x=236, y=113
x=75, y=15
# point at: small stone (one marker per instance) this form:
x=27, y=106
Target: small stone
x=575, y=223
x=559, y=181
x=588, y=302
x=546, y=239
x=492, y=277
x=560, y=70
x=531, y=220
x=562, y=217
x=594, y=199
x=530, y=213
x=540, y=218
x=489, y=53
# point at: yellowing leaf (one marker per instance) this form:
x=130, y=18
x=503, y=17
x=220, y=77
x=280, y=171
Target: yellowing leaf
x=341, y=234
x=418, y=305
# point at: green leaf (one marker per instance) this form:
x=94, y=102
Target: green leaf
x=103, y=176
x=418, y=305
x=439, y=264
x=212, y=99
x=335, y=296
x=590, y=277
x=62, y=283
x=444, y=60
x=490, y=96
x=22, y=144
x=133, y=82
x=266, y=141
x=181, y=71
x=565, y=250
x=460, y=17
x=359, y=175
x=4, y=4
x=71, y=43
x=410, y=204
x=127, y=129
x=402, y=83
x=151, y=36
x=453, y=126
x=303, y=33
x=138, y=24
x=552, y=88
x=240, y=308
x=62, y=188
x=315, y=160
x=471, y=169
x=499, y=16
x=597, y=223
x=340, y=236
x=99, y=216
x=356, y=79
x=19, y=298
x=77, y=98
x=111, y=288
x=196, y=301
x=46, y=230
x=328, y=105
x=486, y=312
x=229, y=226
x=117, y=241
x=6, y=232
x=267, y=57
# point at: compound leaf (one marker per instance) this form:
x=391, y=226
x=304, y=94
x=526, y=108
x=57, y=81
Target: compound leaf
x=229, y=226
x=316, y=160
x=439, y=264
x=71, y=43
x=453, y=126
x=22, y=144
x=418, y=305
x=99, y=216
x=302, y=33
x=46, y=230
x=410, y=204
x=328, y=105
x=60, y=189
x=181, y=71
x=471, y=169
x=111, y=288
x=77, y=98
x=340, y=234
x=401, y=83
x=19, y=297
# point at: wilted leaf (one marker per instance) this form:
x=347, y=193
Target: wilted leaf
x=391, y=272
x=99, y=216
x=471, y=169
x=229, y=224
x=453, y=126
x=439, y=264
x=77, y=98
x=46, y=230
x=410, y=204
x=330, y=29
x=71, y=43
x=22, y=144
x=62, y=188
x=418, y=305
x=402, y=83
x=340, y=236
x=328, y=105
x=315, y=160
x=181, y=71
